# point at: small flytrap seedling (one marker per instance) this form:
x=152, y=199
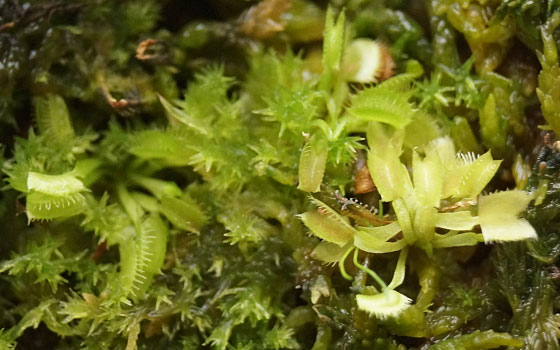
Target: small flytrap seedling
x=435, y=196
x=434, y=208
x=55, y=182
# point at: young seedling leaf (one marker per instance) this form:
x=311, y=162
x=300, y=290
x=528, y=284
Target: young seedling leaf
x=421, y=130
x=53, y=119
x=383, y=305
x=445, y=149
x=327, y=224
x=54, y=185
x=424, y=225
x=477, y=176
x=327, y=227
x=328, y=252
x=147, y=202
x=428, y=179
x=400, y=269
x=387, y=172
x=42, y=206
x=457, y=240
x=181, y=116
x=380, y=135
x=405, y=222
x=369, y=243
x=160, y=145
x=312, y=164
x=141, y=257
x=333, y=41
x=382, y=233
x=499, y=216
x=184, y=213
x=159, y=188
x=382, y=105
x=459, y=220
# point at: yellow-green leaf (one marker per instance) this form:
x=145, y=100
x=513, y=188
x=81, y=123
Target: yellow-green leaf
x=54, y=185
x=388, y=173
x=459, y=220
x=327, y=224
x=312, y=164
x=499, y=216
x=369, y=243
x=329, y=252
x=428, y=179
x=183, y=213
x=457, y=240
x=477, y=176
x=382, y=233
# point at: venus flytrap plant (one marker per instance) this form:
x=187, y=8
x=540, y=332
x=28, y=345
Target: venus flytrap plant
x=42, y=164
x=238, y=258
x=340, y=240
x=328, y=140
x=439, y=178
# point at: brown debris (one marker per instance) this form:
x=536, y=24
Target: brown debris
x=116, y=104
x=99, y=251
x=363, y=182
x=6, y=26
x=264, y=20
x=461, y=204
x=142, y=51
x=387, y=67
x=548, y=140
x=157, y=326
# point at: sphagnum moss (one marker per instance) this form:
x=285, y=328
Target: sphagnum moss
x=279, y=175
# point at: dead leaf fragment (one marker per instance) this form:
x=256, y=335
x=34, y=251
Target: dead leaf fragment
x=264, y=20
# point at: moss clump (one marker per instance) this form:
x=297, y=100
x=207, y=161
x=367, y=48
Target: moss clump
x=211, y=175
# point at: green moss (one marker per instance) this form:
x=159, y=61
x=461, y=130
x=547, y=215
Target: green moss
x=201, y=175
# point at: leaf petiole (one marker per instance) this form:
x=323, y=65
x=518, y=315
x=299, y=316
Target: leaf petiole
x=370, y=272
x=341, y=264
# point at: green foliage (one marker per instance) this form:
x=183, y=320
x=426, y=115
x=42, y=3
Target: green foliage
x=312, y=164
x=53, y=120
x=183, y=182
x=45, y=263
x=333, y=46
x=548, y=78
x=5, y=342
x=142, y=257
x=479, y=340
x=529, y=297
x=383, y=103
